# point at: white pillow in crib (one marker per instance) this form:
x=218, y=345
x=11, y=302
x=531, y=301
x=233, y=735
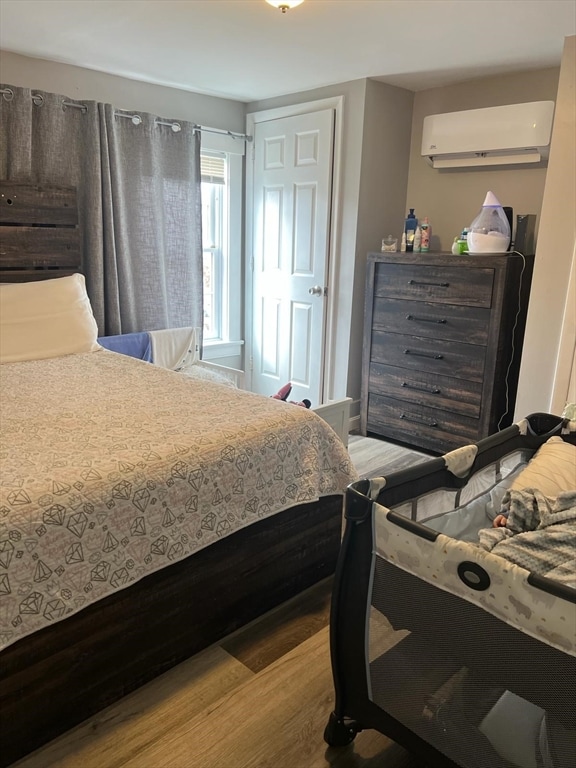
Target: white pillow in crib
x=46, y=318
x=551, y=470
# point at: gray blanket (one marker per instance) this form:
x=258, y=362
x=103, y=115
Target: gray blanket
x=540, y=535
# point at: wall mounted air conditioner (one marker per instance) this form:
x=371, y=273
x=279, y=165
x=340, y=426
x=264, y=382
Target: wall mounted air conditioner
x=516, y=133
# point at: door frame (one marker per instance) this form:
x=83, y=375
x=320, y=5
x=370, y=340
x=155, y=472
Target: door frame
x=336, y=103
x=564, y=382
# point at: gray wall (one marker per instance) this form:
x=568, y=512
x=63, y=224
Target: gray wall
x=451, y=199
x=382, y=175
x=375, y=153
x=550, y=343
x=383, y=182
x=385, y=174
x=79, y=83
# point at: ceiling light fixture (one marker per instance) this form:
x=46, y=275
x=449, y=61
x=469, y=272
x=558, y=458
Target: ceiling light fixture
x=284, y=5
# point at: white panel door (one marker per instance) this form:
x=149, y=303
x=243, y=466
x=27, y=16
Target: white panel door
x=291, y=231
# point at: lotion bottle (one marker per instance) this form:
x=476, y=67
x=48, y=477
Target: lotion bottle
x=403, y=243
x=425, y=242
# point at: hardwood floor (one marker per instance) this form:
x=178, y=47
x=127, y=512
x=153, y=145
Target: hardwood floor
x=258, y=699
x=373, y=457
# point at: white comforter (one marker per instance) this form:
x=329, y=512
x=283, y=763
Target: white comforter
x=112, y=468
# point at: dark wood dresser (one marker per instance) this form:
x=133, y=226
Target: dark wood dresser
x=442, y=344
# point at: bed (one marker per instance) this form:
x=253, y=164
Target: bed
x=456, y=638
x=143, y=514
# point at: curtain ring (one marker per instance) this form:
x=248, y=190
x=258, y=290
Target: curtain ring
x=38, y=99
x=175, y=127
x=7, y=94
x=134, y=119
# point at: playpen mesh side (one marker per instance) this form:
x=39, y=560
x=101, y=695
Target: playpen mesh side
x=497, y=475
x=481, y=692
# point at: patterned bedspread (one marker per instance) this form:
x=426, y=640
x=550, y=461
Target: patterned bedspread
x=112, y=468
x=540, y=535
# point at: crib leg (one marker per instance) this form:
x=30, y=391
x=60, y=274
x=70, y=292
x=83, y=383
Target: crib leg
x=340, y=731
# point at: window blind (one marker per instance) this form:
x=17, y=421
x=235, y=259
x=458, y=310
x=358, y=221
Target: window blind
x=213, y=168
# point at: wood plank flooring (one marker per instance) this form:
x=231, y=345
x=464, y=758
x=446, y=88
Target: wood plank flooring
x=373, y=457
x=215, y=711
x=258, y=699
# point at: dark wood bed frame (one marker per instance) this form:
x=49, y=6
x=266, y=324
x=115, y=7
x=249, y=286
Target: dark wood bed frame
x=59, y=676
x=39, y=234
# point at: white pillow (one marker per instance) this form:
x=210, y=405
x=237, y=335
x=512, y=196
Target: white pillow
x=46, y=318
x=552, y=469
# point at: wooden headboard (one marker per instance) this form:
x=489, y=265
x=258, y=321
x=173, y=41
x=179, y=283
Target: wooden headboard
x=39, y=236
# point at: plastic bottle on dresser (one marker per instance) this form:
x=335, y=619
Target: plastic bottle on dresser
x=410, y=229
x=417, y=239
x=403, y=243
x=463, y=241
x=425, y=242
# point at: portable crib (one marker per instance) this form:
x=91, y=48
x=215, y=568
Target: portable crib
x=453, y=652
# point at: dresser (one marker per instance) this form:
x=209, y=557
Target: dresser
x=442, y=344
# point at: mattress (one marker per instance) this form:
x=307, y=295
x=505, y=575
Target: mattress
x=112, y=469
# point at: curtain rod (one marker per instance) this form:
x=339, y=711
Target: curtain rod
x=136, y=119
x=233, y=134
x=38, y=99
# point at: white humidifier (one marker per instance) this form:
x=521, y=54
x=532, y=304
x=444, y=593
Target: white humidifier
x=490, y=230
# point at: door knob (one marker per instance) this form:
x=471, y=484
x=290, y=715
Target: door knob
x=316, y=290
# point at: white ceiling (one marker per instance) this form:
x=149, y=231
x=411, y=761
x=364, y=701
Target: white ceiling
x=247, y=50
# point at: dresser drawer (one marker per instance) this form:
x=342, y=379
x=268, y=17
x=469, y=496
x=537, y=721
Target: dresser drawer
x=447, y=358
x=441, y=346
x=447, y=285
x=428, y=427
x=439, y=321
x=427, y=389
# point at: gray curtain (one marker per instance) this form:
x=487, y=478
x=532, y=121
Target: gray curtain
x=139, y=202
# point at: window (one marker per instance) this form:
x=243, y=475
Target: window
x=221, y=161
x=214, y=240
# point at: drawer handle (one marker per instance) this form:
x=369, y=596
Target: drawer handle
x=423, y=354
x=426, y=319
x=418, y=420
x=421, y=282
x=420, y=388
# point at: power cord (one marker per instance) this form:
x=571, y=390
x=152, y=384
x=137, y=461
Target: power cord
x=505, y=413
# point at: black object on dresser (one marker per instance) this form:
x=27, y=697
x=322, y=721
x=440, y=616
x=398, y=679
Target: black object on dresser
x=442, y=344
